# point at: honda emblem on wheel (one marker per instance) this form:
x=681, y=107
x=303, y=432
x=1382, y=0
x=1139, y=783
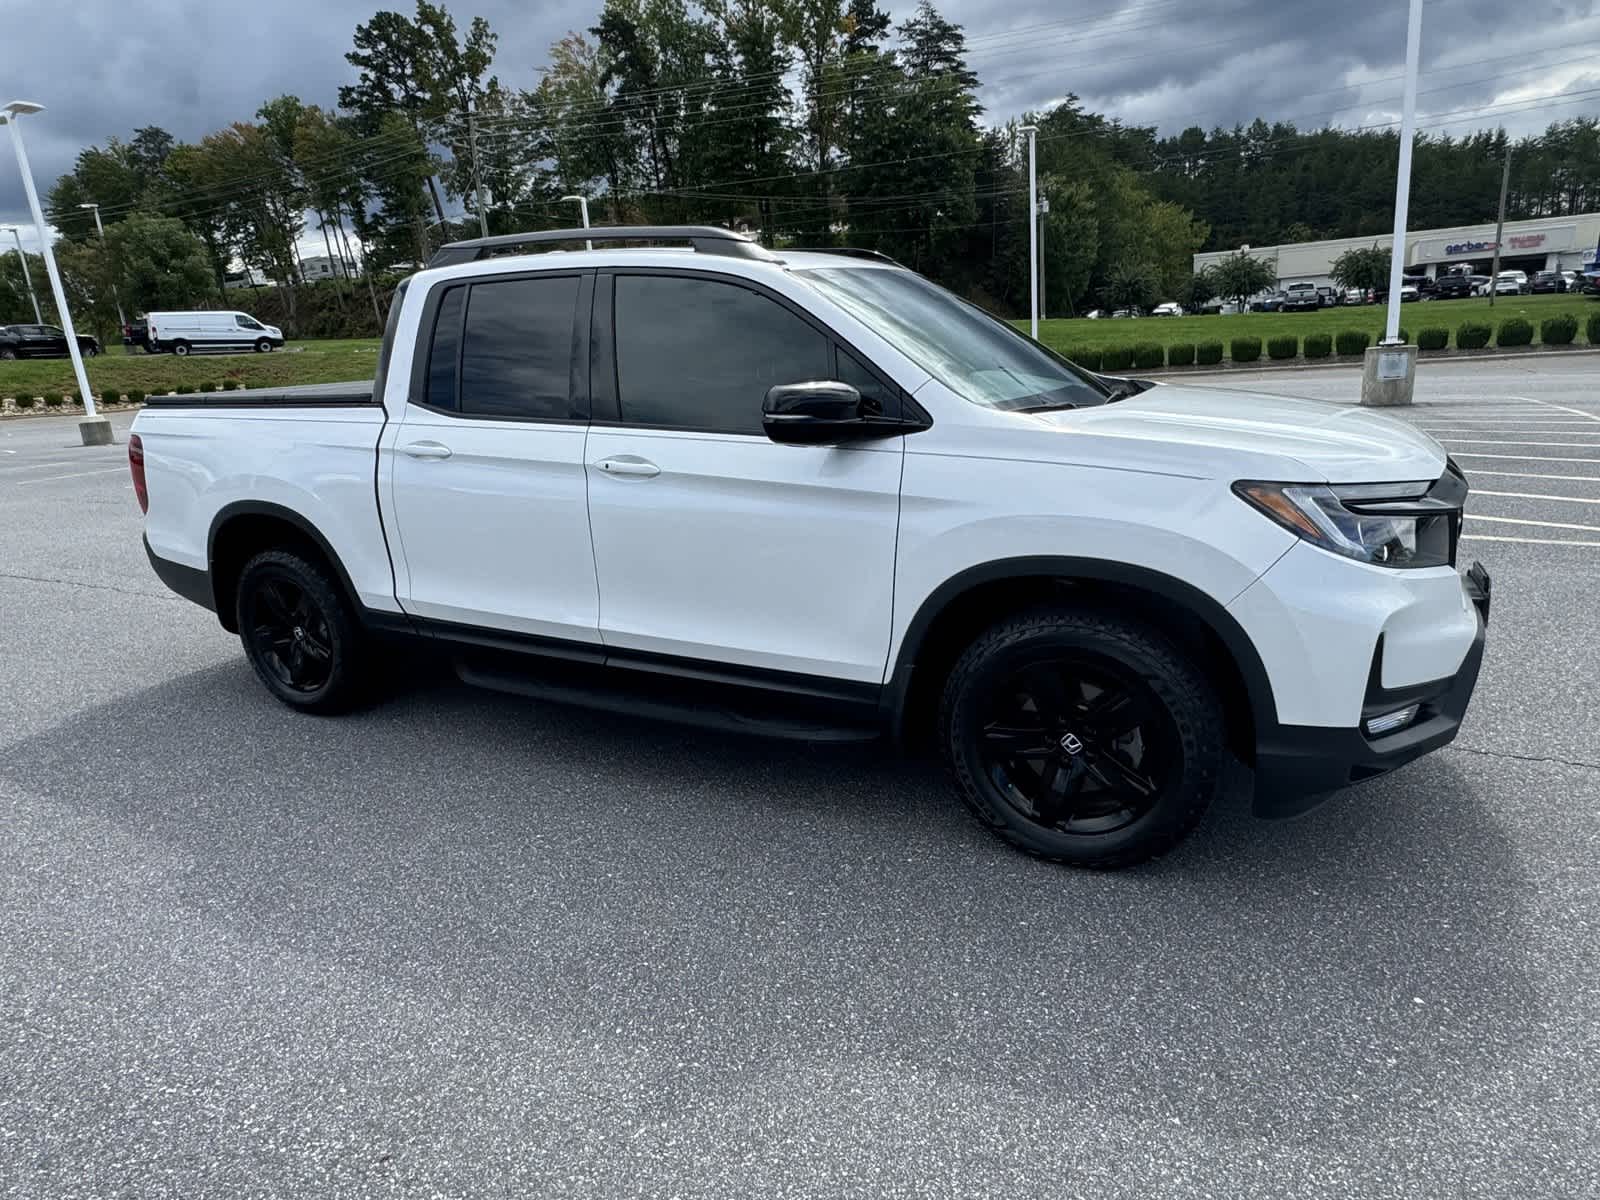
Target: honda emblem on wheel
x=1072, y=743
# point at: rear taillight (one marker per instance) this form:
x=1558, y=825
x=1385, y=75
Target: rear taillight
x=136, y=465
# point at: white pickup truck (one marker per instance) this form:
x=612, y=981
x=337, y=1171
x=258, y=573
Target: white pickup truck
x=811, y=494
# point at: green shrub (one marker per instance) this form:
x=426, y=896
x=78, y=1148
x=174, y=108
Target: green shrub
x=1208, y=354
x=1472, y=335
x=1117, y=358
x=1515, y=331
x=1318, y=345
x=1593, y=329
x=229, y=384
x=1558, y=331
x=184, y=389
x=52, y=400
x=208, y=386
x=134, y=396
x=1180, y=356
x=1087, y=357
x=1352, y=341
x=1285, y=346
x=1245, y=349
x=1433, y=338
x=24, y=402
x=1149, y=354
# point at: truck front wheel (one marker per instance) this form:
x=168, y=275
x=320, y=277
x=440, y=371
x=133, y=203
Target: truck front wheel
x=299, y=633
x=1082, y=738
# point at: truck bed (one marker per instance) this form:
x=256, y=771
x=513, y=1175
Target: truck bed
x=311, y=395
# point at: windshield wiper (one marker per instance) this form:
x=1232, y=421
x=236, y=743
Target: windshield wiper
x=1122, y=389
x=1039, y=408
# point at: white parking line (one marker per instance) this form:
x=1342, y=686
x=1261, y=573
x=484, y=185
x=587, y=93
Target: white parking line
x=1496, y=537
x=1541, y=496
x=74, y=475
x=1541, y=524
x=8, y=468
x=1499, y=442
x=1476, y=471
x=1562, y=407
x=1528, y=457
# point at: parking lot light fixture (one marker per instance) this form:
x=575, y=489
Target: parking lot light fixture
x=27, y=275
x=121, y=319
x=95, y=430
x=1033, y=234
x=583, y=204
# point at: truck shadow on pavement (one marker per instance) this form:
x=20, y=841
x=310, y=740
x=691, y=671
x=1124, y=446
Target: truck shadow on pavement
x=743, y=905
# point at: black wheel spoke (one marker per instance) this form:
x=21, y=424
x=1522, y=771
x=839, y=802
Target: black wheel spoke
x=1011, y=741
x=1115, y=713
x=272, y=601
x=1048, y=690
x=1118, y=776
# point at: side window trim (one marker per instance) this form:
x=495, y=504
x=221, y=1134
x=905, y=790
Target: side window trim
x=418, y=391
x=604, y=350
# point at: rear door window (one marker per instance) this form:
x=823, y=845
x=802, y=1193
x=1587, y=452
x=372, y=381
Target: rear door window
x=517, y=348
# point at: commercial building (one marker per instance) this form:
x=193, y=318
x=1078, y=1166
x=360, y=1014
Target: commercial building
x=1556, y=244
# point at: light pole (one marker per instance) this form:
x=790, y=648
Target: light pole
x=583, y=203
x=121, y=320
x=94, y=429
x=1033, y=235
x=27, y=276
x=1389, y=373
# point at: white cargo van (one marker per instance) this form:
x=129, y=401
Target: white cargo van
x=182, y=332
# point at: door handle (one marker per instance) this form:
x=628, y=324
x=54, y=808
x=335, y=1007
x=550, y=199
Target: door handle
x=427, y=450
x=630, y=465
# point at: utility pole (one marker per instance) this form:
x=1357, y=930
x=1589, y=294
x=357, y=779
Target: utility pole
x=1033, y=235
x=27, y=276
x=1500, y=223
x=121, y=320
x=477, y=175
x=1044, y=276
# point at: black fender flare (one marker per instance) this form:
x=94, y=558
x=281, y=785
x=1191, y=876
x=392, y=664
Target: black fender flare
x=264, y=508
x=1213, y=615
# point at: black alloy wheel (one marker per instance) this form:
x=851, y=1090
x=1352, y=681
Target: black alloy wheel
x=1077, y=745
x=1082, y=737
x=290, y=633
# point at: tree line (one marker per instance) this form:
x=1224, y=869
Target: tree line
x=808, y=122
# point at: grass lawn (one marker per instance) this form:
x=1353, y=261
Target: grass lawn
x=113, y=373
x=1063, y=335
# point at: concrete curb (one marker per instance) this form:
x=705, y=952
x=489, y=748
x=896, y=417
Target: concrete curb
x=1356, y=362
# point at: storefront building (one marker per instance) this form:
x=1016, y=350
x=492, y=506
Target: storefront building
x=1558, y=244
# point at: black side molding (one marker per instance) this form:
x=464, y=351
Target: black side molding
x=189, y=582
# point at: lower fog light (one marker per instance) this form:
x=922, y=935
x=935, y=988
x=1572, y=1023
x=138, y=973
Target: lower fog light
x=1390, y=721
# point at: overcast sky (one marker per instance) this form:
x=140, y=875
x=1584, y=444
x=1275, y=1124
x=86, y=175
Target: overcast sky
x=104, y=68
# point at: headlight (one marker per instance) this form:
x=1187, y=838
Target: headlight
x=1386, y=524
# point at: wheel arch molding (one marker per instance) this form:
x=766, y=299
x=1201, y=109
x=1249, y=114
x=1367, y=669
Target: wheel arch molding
x=973, y=598
x=262, y=517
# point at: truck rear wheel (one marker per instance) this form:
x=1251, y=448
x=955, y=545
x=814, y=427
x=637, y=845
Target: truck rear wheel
x=1082, y=738
x=299, y=633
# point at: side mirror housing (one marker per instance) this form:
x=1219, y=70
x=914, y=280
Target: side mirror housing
x=814, y=413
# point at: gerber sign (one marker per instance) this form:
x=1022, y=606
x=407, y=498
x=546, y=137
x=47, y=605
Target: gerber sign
x=1475, y=247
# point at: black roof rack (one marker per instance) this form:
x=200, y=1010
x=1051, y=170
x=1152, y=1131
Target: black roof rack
x=705, y=239
x=848, y=252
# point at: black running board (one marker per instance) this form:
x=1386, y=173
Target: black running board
x=679, y=703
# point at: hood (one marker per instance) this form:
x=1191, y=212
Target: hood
x=1314, y=441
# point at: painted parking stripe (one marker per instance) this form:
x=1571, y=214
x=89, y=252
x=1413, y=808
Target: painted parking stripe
x=1561, y=458
x=1548, y=404
x=1497, y=537
x=1541, y=496
x=1499, y=442
x=75, y=475
x=1477, y=471
x=1538, y=524
x=8, y=468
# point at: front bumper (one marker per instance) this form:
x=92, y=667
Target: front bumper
x=1298, y=765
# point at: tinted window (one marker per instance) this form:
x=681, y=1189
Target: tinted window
x=516, y=351
x=443, y=356
x=701, y=354
x=876, y=400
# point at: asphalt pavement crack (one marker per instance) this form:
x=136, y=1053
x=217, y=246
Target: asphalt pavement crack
x=1533, y=758
x=99, y=587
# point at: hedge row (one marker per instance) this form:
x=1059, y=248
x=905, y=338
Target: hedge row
x=1470, y=335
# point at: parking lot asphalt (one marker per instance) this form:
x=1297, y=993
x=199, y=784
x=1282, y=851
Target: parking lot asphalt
x=463, y=945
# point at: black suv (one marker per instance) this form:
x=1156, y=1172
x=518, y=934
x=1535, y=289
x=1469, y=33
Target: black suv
x=41, y=341
x=1548, y=281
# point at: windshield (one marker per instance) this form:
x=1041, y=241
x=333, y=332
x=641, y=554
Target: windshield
x=978, y=357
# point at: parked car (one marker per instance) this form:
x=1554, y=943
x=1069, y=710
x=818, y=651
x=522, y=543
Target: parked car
x=1271, y=302
x=1455, y=285
x=1095, y=314
x=1510, y=283
x=184, y=332
x=1085, y=591
x=1356, y=296
x=1169, y=309
x=1125, y=312
x=1300, y=297
x=42, y=341
x=1546, y=282
x=1329, y=297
